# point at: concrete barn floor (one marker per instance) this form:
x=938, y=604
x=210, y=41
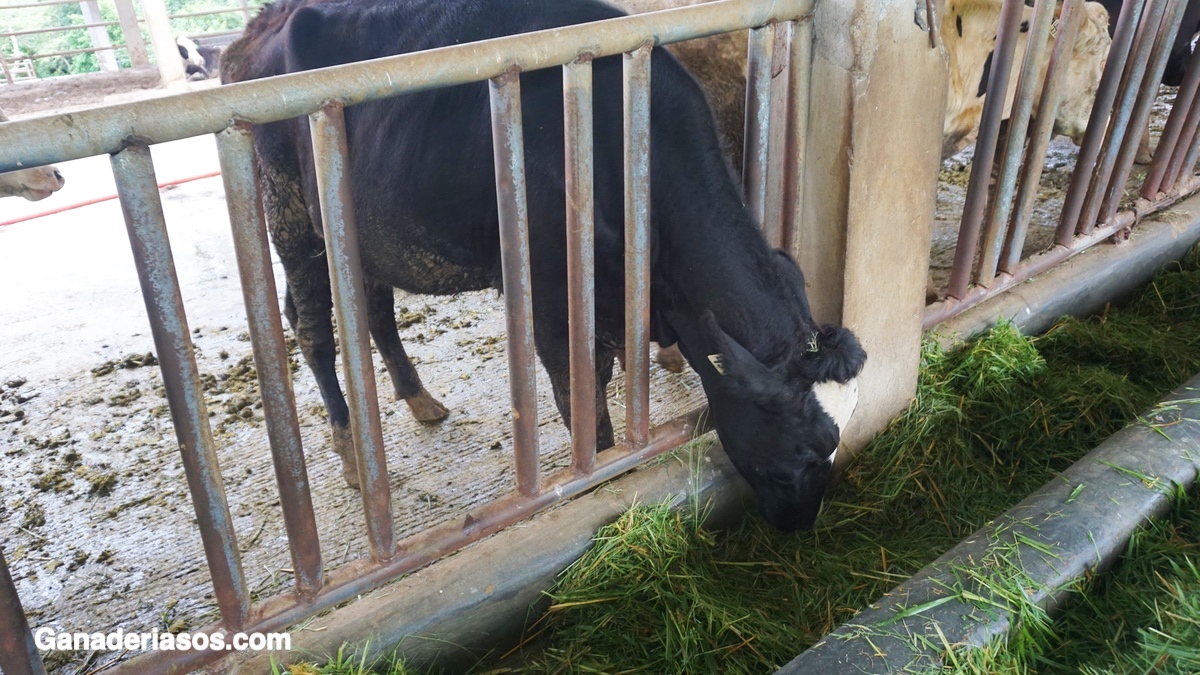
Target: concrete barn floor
x=95, y=516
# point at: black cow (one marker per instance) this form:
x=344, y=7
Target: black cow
x=425, y=200
x=1181, y=49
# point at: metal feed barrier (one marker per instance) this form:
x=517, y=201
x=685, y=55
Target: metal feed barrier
x=994, y=226
x=776, y=121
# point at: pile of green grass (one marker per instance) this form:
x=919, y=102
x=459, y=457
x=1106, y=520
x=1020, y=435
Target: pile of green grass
x=992, y=421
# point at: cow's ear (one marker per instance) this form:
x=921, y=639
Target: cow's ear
x=737, y=369
x=310, y=43
x=831, y=353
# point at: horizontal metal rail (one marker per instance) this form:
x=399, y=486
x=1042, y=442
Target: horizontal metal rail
x=59, y=138
x=417, y=551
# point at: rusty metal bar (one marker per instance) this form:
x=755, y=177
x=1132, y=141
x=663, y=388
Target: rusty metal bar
x=331, y=160
x=1189, y=162
x=141, y=206
x=59, y=29
x=18, y=653
x=1031, y=171
x=235, y=149
x=1170, y=142
x=985, y=147
x=72, y=52
x=1119, y=123
x=581, y=260
x=1089, y=151
x=1188, y=136
x=1027, y=269
x=777, y=130
x=636, y=79
x=996, y=229
x=419, y=550
x=1140, y=118
x=758, y=120
x=509, y=153
x=45, y=140
x=796, y=147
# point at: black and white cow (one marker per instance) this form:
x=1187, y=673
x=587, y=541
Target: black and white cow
x=199, y=63
x=778, y=384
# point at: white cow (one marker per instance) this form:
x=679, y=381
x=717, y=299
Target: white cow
x=32, y=184
x=969, y=30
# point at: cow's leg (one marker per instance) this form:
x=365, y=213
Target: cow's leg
x=309, y=302
x=555, y=359
x=1144, y=156
x=381, y=317
x=670, y=358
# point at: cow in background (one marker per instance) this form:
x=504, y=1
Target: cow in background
x=33, y=184
x=199, y=63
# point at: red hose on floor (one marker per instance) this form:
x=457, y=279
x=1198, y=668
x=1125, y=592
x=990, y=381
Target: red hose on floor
x=97, y=200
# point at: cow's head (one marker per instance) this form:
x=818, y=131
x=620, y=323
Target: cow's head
x=781, y=424
x=32, y=184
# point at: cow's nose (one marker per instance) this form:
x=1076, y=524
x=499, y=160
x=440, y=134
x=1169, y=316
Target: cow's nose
x=61, y=181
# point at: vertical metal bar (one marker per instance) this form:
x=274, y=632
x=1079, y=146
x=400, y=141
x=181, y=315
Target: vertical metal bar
x=235, y=148
x=18, y=652
x=1085, y=163
x=758, y=119
x=1018, y=125
x=795, y=149
x=137, y=187
x=581, y=260
x=1031, y=171
x=1119, y=127
x=1169, y=143
x=331, y=159
x=4, y=66
x=636, y=69
x=777, y=129
x=1172, y=17
x=985, y=147
x=509, y=154
x=1188, y=137
x=1189, y=162
x=245, y=5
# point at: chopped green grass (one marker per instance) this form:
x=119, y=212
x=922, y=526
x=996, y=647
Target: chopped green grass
x=992, y=421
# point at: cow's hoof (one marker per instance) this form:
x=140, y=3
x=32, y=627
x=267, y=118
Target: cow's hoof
x=426, y=408
x=343, y=445
x=670, y=359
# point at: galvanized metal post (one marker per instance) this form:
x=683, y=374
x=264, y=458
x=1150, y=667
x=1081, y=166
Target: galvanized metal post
x=758, y=121
x=636, y=78
x=795, y=148
x=331, y=160
x=245, y=5
x=1089, y=151
x=1169, y=143
x=236, y=151
x=4, y=66
x=581, y=260
x=509, y=155
x=18, y=653
x=1018, y=123
x=1188, y=137
x=985, y=147
x=1145, y=102
x=132, y=33
x=1031, y=170
x=133, y=171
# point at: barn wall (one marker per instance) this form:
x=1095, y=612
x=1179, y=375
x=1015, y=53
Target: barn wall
x=871, y=184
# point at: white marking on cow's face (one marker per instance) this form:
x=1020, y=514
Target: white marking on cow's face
x=837, y=400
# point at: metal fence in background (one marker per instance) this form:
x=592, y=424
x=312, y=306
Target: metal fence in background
x=18, y=65
x=774, y=168
x=997, y=213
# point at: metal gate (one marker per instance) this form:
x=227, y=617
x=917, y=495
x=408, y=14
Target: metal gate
x=776, y=121
x=996, y=219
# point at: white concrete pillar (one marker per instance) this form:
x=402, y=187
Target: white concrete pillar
x=166, y=52
x=99, y=36
x=874, y=153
